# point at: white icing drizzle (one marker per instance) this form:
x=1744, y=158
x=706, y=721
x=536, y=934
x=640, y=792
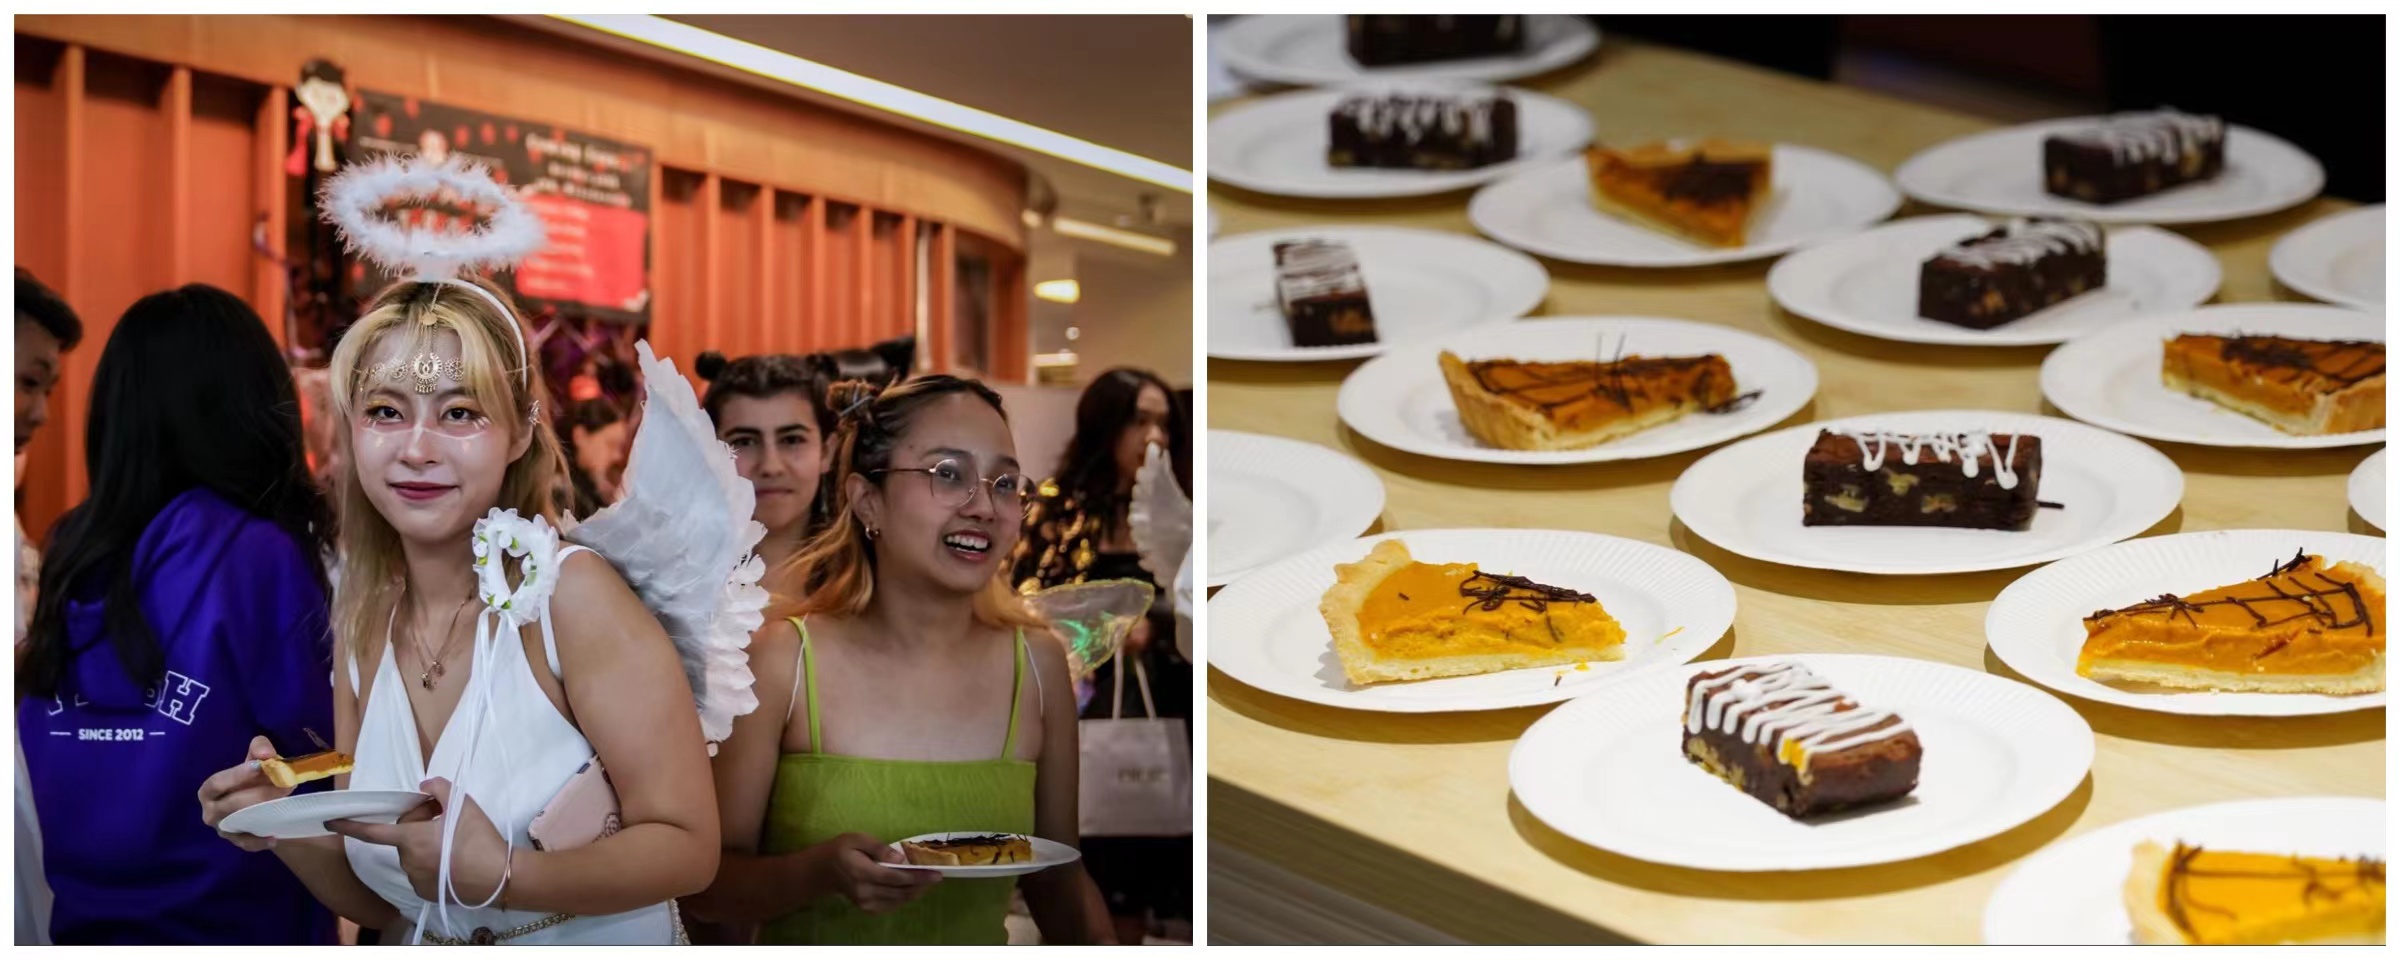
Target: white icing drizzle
x=2023, y=241
x=1414, y=116
x=1970, y=449
x=2161, y=134
x=1309, y=268
x=1768, y=703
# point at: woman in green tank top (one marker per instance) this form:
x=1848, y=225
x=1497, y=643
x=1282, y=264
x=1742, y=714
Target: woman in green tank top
x=908, y=693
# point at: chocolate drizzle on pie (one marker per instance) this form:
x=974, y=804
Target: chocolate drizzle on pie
x=2315, y=602
x=1491, y=591
x=2180, y=872
x=2340, y=362
x=1709, y=182
x=1733, y=403
x=1618, y=381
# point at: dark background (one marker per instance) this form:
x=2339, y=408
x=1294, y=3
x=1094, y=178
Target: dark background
x=2314, y=80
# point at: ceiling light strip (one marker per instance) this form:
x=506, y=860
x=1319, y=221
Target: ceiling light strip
x=776, y=65
x=1086, y=230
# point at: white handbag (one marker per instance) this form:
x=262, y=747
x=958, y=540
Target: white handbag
x=1136, y=775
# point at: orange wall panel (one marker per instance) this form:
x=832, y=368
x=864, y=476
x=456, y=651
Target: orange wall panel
x=223, y=189
x=842, y=302
x=738, y=269
x=787, y=320
x=675, y=268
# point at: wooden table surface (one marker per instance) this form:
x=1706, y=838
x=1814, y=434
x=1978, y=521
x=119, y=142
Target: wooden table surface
x=1412, y=813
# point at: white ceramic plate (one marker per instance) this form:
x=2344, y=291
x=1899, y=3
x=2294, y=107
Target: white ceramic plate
x=1609, y=770
x=1866, y=283
x=2001, y=172
x=2338, y=259
x=1746, y=498
x=1400, y=400
x=2368, y=488
x=2073, y=892
x=1264, y=630
x=1269, y=498
x=1548, y=210
x=1420, y=283
x=1046, y=854
x=1276, y=144
x=303, y=815
x=2111, y=377
x=2036, y=625
x=1311, y=50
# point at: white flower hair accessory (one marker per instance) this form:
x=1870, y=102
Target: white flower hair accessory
x=502, y=534
x=354, y=201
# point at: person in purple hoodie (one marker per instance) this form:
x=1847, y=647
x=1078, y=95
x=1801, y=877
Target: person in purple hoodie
x=182, y=612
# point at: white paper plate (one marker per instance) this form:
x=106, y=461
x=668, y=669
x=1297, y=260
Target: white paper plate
x=1277, y=145
x=1269, y=498
x=1548, y=210
x=2338, y=259
x=1312, y=50
x=2111, y=377
x=1400, y=400
x=2036, y=625
x=2001, y=172
x=2073, y=892
x=1609, y=770
x=303, y=815
x=1866, y=283
x=1420, y=283
x=1046, y=854
x=1264, y=630
x=1746, y=498
x=2368, y=487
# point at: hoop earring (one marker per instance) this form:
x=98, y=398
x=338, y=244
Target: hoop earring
x=872, y=531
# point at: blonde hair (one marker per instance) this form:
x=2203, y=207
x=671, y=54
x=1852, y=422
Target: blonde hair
x=496, y=364
x=837, y=564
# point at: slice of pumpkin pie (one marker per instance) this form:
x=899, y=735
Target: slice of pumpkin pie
x=1394, y=618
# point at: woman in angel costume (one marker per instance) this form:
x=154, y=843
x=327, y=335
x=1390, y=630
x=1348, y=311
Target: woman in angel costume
x=911, y=693
x=478, y=658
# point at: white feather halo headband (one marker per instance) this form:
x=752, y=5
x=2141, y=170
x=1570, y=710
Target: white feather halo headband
x=354, y=201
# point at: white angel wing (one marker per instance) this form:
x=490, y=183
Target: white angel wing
x=682, y=536
x=1161, y=516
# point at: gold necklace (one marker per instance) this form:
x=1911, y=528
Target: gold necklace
x=433, y=664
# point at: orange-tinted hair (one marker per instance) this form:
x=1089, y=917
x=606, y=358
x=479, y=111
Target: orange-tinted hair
x=837, y=565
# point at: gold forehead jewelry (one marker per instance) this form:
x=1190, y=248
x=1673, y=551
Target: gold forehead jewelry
x=427, y=371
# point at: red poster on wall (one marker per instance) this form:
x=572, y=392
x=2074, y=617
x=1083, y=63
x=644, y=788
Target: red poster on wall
x=592, y=193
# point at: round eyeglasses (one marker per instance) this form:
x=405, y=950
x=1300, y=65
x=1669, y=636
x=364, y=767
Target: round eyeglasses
x=954, y=483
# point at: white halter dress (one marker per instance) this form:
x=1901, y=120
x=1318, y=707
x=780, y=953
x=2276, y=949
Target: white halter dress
x=507, y=747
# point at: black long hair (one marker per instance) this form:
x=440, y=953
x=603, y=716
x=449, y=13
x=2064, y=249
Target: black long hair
x=582, y=490
x=764, y=376
x=1089, y=473
x=190, y=393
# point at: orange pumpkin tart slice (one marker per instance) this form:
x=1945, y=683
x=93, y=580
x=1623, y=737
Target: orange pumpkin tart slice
x=1704, y=190
x=1393, y=618
x=2305, y=627
x=2305, y=387
x=2188, y=895
x=1570, y=405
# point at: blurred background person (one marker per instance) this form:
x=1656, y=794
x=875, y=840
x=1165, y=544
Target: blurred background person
x=1077, y=530
x=182, y=612
x=46, y=329
x=770, y=409
x=596, y=438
